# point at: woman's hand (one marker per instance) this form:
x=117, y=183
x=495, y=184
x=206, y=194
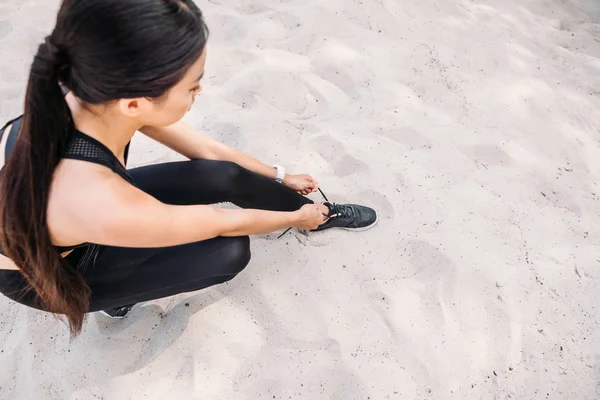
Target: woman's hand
x=310, y=216
x=303, y=184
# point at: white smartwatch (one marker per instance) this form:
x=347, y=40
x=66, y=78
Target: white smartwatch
x=280, y=173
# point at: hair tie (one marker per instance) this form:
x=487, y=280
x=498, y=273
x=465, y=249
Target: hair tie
x=55, y=54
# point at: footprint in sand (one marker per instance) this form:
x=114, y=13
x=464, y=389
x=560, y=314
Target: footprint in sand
x=406, y=136
x=489, y=155
x=379, y=202
x=334, y=152
x=430, y=264
x=337, y=76
x=326, y=100
x=348, y=165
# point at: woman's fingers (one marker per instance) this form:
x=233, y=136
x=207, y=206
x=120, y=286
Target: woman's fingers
x=308, y=186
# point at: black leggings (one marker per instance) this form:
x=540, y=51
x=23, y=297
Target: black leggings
x=120, y=276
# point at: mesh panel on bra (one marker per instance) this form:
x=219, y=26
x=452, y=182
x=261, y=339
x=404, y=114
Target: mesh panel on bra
x=85, y=148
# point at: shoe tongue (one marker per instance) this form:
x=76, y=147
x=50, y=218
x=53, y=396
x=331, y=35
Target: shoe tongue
x=331, y=207
x=336, y=209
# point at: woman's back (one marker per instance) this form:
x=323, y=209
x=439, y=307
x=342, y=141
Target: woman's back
x=84, y=169
x=111, y=54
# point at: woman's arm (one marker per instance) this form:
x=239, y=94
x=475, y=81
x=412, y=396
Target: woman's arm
x=109, y=211
x=187, y=141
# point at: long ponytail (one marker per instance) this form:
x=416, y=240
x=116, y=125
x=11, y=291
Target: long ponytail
x=25, y=187
x=102, y=51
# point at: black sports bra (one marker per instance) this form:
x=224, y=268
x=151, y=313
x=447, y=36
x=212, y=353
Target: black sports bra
x=81, y=147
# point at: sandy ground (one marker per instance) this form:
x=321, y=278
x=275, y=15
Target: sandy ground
x=472, y=126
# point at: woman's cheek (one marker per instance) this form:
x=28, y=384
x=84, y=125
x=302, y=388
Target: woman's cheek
x=177, y=113
x=182, y=106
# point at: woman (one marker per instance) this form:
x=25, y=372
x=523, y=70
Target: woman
x=80, y=233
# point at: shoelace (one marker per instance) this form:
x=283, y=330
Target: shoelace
x=122, y=311
x=339, y=210
x=329, y=216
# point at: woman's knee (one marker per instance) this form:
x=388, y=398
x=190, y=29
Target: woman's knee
x=237, y=254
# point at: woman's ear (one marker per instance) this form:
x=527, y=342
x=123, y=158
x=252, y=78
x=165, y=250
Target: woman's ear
x=131, y=107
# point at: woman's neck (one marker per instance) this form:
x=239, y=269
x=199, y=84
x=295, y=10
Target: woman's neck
x=99, y=123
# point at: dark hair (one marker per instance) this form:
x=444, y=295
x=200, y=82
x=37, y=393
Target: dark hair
x=101, y=50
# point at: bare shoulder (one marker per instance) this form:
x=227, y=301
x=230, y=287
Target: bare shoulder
x=84, y=195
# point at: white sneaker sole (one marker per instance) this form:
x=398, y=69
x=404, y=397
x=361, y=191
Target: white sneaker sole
x=111, y=316
x=364, y=228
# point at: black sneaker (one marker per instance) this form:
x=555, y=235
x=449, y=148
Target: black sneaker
x=351, y=217
x=117, y=312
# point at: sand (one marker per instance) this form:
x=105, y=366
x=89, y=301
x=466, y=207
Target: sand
x=472, y=126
